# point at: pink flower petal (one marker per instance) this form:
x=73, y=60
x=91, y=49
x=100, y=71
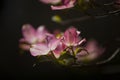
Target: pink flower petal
x=41, y=33
x=39, y=49
x=71, y=37
x=60, y=48
x=53, y=43
x=61, y=7
x=93, y=46
x=94, y=50
x=68, y=4
x=29, y=33
x=81, y=41
x=50, y=1
x=66, y=1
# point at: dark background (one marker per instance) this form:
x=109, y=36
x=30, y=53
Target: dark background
x=15, y=13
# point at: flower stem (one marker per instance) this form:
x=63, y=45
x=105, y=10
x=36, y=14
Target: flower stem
x=71, y=48
x=111, y=57
x=83, y=18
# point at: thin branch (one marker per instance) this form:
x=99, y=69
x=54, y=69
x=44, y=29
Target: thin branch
x=98, y=63
x=89, y=17
x=108, y=4
x=75, y=20
x=110, y=58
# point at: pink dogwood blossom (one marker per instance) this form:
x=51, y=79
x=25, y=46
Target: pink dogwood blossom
x=65, y=5
x=50, y=1
x=32, y=36
x=71, y=37
x=44, y=48
x=93, y=49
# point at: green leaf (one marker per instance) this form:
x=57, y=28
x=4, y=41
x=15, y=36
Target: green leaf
x=62, y=53
x=66, y=59
x=79, y=49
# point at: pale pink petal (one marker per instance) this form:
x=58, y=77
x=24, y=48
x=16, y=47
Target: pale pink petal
x=81, y=41
x=29, y=33
x=50, y=1
x=53, y=43
x=78, y=32
x=66, y=1
x=74, y=36
x=71, y=37
x=60, y=48
x=56, y=54
x=41, y=33
x=41, y=29
x=39, y=49
x=62, y=7
x=69, y=4
x=93, y=49
x=73, y=31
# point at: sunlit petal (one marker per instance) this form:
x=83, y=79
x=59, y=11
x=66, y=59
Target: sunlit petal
x=29, y=33
x=53, y=43
x=50, y=1
x=60, y=48
x=39, y=49
x=66, y=4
